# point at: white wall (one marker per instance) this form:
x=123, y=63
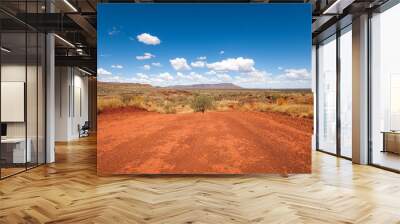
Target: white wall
x=70, y=84
x=62, y=82
x=12, y=73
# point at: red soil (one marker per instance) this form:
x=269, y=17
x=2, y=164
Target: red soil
x=131, y=142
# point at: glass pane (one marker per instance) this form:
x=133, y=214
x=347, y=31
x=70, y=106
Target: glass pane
x=31, y=100
x=327, y=95
x=385, y=93
x=346, y=92
x=13, y=87
x=41, y=98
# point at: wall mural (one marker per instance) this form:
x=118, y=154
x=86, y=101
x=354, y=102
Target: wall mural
x=204, y=88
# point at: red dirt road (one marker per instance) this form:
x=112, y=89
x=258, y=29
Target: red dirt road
x=231, y=142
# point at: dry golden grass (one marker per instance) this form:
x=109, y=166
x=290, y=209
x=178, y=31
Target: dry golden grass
x=297, y=103
x=109, y=103
x=295, y=110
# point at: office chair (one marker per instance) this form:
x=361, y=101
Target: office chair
x=84, y=130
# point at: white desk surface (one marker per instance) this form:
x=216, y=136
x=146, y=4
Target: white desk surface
x=13, y=140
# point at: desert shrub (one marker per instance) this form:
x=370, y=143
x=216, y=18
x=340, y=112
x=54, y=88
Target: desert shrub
x=201, y=103
x=115, y=102
x=109, y=103
x=169, y=108
x=225, y=105
x=281, y=101
x=304, y=99
x=126, y=99
x=136, y=101
x=294, y=110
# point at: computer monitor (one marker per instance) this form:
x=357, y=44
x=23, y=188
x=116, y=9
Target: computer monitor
x=3, y=129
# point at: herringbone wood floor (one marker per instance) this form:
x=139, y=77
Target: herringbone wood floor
x=69, y=191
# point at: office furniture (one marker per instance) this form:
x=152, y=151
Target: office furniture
x=84, y=130
x=391, y=141
x=13, y=150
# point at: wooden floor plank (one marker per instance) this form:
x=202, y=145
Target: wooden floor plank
x=69, y=191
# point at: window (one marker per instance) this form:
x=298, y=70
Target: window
x=385, y=89
x=327, y=95
x=346, y=92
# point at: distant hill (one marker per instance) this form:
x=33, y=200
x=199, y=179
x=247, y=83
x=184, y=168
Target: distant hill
x=206, y=86
x=115, y=88
x=99, y=83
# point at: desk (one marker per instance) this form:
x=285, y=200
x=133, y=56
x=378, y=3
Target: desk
x=16, y=147
x=391, y=141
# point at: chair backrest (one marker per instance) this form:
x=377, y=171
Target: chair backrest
x=86, y=125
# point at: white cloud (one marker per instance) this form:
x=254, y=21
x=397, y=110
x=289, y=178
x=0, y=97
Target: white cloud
x=255, y=77
x=117, y=66
x=106, y=76
x=222, y=52
x=102, y=71
x=239, y=64
x=179, y=64
x=111, y=79
x=142, y=76
x=212, y=72
x=196, y=76
x=296, y=74
x=114, y=31
x=146, y=67
x=280, y=68
x=148, y=39
x=292, y=78
x=198, y=64
x=180, y=75
x=202, y=58
x=156, y=64
x=224, y=77
x=166, y=76
x=145, y=56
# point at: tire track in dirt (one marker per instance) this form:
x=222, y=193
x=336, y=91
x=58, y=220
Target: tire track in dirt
x=279, y=141
x=273, y=140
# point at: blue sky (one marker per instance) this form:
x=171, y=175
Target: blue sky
x=250, y=45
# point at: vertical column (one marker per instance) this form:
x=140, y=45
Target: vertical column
x=50, y=99
x=360, y=89
x=50, y=92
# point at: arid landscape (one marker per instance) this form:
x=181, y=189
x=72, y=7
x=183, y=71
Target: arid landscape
x=207, y=129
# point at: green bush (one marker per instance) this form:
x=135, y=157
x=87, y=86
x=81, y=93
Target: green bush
x=201, y=103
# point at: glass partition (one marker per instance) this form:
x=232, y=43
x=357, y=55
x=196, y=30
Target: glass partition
x=13, y=94
x=41, y=109
x=31, y=98
x=22, y=78
x=327, y=95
